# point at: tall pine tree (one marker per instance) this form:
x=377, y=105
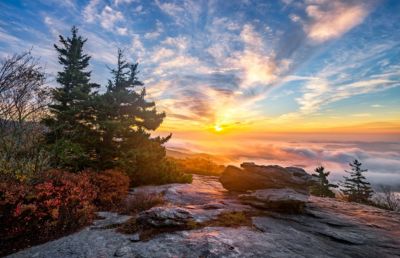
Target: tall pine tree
x=323, y=185
x=71, y=122
x=125, y=117
x=356, y=187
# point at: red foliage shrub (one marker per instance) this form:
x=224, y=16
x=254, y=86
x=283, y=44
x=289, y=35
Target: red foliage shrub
x=66, y=198
x=61, y=202
x=112, y=188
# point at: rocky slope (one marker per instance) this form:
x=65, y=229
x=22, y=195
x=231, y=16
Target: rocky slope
x=327, y=228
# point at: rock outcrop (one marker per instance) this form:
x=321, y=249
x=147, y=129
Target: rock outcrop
x=255, y=177
x=285, y=200
x=271, y=187
x=164, y=217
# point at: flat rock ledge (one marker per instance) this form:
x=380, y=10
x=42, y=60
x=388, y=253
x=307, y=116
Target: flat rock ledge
x=284, y=200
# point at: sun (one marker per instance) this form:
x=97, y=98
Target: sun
x=218, y=128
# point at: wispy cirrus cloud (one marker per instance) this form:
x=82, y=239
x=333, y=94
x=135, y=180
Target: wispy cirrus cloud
x=350, y=76
x=182, y=12
x=90, y=11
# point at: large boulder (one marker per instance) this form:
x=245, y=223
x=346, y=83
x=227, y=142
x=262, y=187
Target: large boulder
x=269, y=187
x=284, y=200
x=255, y=177
x=164, y=217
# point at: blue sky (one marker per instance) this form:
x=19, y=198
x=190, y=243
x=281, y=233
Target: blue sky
x=231, y=62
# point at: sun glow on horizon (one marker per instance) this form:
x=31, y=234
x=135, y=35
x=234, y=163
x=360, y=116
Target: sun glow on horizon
x=218, y=128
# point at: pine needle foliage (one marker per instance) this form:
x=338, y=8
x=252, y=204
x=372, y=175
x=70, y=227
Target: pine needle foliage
x=322, y=187
x=355, y=186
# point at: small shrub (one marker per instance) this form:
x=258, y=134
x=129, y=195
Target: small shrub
x=142, y=201
x=386, y=199
x=72, y=198
x=32, y=213
x=112, y=188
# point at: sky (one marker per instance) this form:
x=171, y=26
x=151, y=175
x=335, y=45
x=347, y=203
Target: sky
x=304, y=82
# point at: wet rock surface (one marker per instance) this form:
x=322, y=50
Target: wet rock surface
x=327, y=228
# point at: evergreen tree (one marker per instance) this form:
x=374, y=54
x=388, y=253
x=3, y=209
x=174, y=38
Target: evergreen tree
x=72, y=117
x=356, y=186
x=323, y=185
x=125, y=117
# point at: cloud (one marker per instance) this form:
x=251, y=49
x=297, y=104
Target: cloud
x=180, y=43
x=101, y=49
x=186, y=12
x=224, y=22
x=139, y=9
x=383, y=166
x=90, y=11
x=345, y=75
x=380, y=158
x=170, y=8
x=109, y=17
x=257, y=68
x=5, y=37
x=162, y=53
x=361, y=115
x=137, y=46
x=331, y=19
x=156, y=33
x=118, y=2
x=122, y=31
x=251, y=38
x=320, y=92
